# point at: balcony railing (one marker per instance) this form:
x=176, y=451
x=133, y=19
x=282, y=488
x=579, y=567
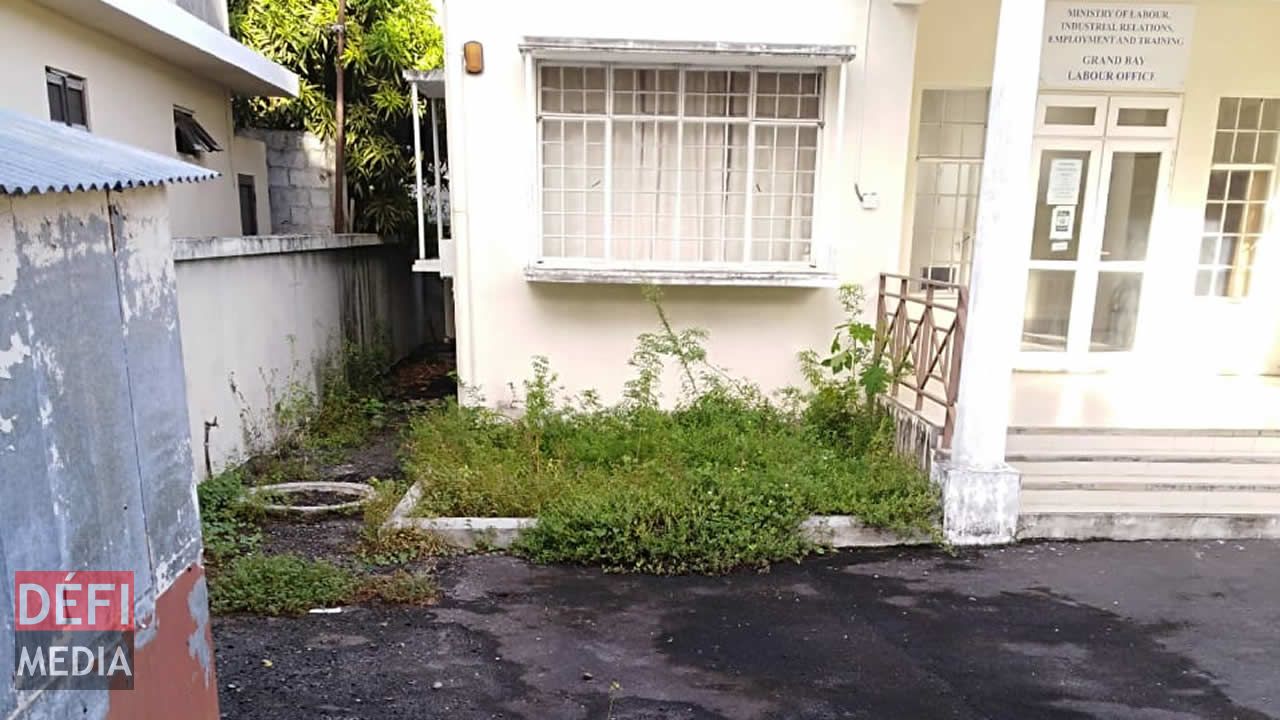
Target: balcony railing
x=920, y=325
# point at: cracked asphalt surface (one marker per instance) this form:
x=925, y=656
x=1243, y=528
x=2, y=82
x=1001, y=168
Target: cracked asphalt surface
x=1145, y=631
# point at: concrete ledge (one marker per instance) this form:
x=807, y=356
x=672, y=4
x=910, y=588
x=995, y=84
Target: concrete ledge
x=359, y=491
x=839, y=531
x=1146, y=526
x=846, y=531
x=210, y=248
x=692, y=276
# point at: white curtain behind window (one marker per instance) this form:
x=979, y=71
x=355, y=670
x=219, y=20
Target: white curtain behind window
x=695, y=153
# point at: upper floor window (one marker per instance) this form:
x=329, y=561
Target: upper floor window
x=1241, y=183
x=678, y=166
x=190, y=136
x=66, y=98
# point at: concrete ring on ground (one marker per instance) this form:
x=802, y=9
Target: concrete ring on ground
x=359, y=491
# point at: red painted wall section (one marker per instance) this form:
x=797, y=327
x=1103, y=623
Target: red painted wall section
x=174, y=672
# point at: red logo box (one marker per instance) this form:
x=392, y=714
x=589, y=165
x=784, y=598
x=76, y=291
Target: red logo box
x=99, y=600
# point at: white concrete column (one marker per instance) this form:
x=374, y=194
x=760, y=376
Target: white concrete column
x=980, y=490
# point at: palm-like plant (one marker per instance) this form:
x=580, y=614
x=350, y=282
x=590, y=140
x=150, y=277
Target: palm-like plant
x=384, y=38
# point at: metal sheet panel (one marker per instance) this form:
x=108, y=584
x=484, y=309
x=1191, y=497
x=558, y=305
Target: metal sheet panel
x=157, y=383
x=37, y=156
x=69, y=463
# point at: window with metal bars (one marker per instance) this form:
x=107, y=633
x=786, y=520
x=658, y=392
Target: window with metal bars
x=1241, y=183
x=66, y=98
x=677, y=166
x=190, y=136
x=949, y=149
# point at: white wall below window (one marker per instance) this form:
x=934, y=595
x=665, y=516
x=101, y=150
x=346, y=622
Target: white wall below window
x=587, y=330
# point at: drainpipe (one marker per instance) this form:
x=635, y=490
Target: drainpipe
x=340, y=122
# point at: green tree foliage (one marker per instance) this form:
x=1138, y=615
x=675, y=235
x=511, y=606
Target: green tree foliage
x=384, y=37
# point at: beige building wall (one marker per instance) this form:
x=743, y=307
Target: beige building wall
x=1233, y=53
x=588, y=331
x=249, y=157
x=130, y=97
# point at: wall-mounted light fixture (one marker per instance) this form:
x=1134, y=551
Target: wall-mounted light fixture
x=473, y=57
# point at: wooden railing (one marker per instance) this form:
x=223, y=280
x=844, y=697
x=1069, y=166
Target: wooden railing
x=920, y=326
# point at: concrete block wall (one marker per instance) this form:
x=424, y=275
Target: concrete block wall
x=299, y=181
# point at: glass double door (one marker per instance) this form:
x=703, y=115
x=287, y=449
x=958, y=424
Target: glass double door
x=1095, y=224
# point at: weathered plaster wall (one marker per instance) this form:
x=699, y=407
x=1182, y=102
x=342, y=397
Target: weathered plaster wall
x=300, y=178
x=1233, y=54
x=94, y=448
x=588, y=331
x=130, y=97
x=265, y=311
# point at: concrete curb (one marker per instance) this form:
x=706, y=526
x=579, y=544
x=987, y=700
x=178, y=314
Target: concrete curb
x=839, y=531
x=361, y=492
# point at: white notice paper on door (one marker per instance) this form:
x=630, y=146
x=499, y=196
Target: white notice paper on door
x=1064, y=182
x=1062, y=222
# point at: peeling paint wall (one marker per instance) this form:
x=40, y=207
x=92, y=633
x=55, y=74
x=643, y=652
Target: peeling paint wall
x=263, y=321
x=94, y=450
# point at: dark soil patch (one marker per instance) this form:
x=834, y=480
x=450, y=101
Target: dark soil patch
x=426, y=376
x=335, y=539
x=378, y=457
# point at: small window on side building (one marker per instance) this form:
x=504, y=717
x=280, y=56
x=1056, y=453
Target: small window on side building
x=248, y=205
x=190, y=136
x=66, y=98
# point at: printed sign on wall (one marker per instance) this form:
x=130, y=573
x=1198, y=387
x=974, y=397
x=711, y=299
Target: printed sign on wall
x=1105, y=46
x=1064, y=181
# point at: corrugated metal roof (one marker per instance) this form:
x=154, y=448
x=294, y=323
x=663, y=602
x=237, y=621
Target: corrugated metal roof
x=38, y=156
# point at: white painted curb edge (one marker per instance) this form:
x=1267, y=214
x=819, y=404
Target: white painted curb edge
x=839, y=531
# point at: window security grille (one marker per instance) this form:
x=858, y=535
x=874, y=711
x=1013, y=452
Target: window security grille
x=678, y=166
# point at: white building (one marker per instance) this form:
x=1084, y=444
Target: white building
x=1098, y=177
x=156, y=74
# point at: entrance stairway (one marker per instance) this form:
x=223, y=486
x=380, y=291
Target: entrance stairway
x=1092, y=483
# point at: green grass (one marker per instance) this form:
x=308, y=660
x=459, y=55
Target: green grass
x=228, y=517
x=722, y=482
x=401, y=588
x=280, y=585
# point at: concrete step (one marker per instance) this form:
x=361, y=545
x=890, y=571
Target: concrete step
x=1199, y=502
x=1146, y=526
x=1146, y=475
x=1155, y=467
x=1114, y=457
x=1117, y=441
x=1140, y=483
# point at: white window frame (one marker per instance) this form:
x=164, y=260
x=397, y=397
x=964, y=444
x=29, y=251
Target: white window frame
x=1046, y=102
x=1173, y=117
x=812, y=272
x=1268, y=206
x=959, y=270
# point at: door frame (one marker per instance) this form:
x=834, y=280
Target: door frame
x=1102, y=140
